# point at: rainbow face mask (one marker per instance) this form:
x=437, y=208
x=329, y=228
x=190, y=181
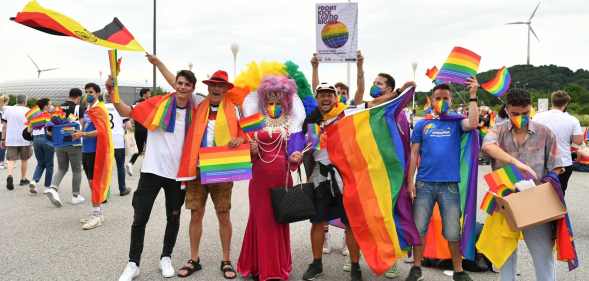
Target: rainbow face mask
x=441, y=107
x=375, y=91
x=274, y=111
x=520, y=121
x=343, y=99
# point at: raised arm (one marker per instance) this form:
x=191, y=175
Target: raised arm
x=359, y=96
x=123, y=108
x=168, y=75
x=473, y=107
x=315, y=75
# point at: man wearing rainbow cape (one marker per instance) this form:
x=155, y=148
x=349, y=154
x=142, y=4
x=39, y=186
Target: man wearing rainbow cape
x=436, y=144
x=169, y=143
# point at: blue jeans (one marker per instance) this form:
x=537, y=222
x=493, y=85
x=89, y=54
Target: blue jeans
x=120, y=160
x=44, y=153
x=447, y=196
x=539, y=241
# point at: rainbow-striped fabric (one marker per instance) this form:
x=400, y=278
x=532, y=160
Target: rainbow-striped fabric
x=460, y=65
x=499, y=85
x=223, y=164
x=104, y=153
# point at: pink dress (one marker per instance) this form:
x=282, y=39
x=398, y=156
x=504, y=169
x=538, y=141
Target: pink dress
x=266, y=244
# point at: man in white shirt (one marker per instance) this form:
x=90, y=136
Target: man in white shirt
x=17, y=148
x=566, y=128
x=117, y=126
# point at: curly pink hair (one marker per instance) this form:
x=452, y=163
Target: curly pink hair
x=277, y=84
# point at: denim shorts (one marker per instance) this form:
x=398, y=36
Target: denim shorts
x=447, y=196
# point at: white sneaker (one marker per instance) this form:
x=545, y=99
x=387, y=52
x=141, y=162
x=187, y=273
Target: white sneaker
x=326, y=245
x=93, y=222
x=129, y=169
x=131, y=271
x=78, y=199
x=393, y=272
x=167, y=268
x=53, y=196
x=86, y=219
x=347, y=266
x=33, y=188
x=2, y=166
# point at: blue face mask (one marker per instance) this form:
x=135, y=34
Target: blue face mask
x=375, y=91
x=90, y=99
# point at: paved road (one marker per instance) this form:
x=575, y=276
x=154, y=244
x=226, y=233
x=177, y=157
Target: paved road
x=40, y=242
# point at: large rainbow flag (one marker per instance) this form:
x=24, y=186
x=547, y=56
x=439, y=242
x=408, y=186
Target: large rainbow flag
x=104, y=153
x=469, y=152
x=460, y=65
x=114, y=35
x=371, y=150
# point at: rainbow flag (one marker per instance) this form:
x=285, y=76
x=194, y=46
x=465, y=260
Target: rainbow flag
x=224, y=164
x=489, y=203
x=460, y=65
x=370, y=150
x=104, y=153
x=499, y=85
x=252, y=123
x=114, y=35
x=158, y=112
x=507, y=176
x=59, y=113
x=36, y=119
x=115, y=68
x=314, y=136
x=431, y=73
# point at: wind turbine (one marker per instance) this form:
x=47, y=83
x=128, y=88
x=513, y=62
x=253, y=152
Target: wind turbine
x=38, y=69
x=530, y=29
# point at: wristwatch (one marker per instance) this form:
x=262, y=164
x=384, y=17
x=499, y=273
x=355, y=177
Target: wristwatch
x=473, y=99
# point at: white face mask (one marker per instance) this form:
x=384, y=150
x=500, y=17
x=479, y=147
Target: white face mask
x=51, y=108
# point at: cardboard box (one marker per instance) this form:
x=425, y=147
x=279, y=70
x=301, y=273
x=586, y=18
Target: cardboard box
x=531, y=207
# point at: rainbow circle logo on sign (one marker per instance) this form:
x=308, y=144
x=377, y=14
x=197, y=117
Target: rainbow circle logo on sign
x=335, y=34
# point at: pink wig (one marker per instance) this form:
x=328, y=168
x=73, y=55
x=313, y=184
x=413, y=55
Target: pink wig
x=277, y=85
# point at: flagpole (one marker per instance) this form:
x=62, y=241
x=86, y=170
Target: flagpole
x=154, y=45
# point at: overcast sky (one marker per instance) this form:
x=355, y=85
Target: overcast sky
x=392, y=35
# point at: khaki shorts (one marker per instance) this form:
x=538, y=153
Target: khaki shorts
x=196, y=195
x=14, y=153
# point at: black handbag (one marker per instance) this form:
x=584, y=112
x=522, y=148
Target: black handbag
x=293, y=204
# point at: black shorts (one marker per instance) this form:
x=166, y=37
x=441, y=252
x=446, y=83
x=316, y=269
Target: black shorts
x=329, y=204
x=88, y=164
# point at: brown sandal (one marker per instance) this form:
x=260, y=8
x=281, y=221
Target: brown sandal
x=227, y=267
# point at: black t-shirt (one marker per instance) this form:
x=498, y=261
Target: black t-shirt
x=69, y=107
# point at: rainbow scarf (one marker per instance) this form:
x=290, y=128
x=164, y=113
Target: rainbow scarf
x=499, y=85
x=460, y=65
x=469, y=152
x=335, y=111
x=371, y=150
x=104, y=153
x=226, y=128
x=159, y=112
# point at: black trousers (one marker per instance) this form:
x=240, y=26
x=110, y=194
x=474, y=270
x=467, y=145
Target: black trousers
x=564, y=178
x=143, y=199
x=140, y=139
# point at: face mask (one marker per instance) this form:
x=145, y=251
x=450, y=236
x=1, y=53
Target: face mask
x=343, y=99
x=375, y=91
x=51, y=108
x=441, y=107
x=274, y=111
x=90, y=99
x=520, y=121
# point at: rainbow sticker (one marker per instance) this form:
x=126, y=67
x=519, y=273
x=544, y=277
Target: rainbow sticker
x=335, y=34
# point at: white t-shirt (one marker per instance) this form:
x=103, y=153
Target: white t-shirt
x=163, y=150
x=15, y=124
x=321, y=155
x=564, y=126
x=38, y=132
x=117, y=126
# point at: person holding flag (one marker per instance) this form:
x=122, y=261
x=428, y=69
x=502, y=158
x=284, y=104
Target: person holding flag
x=97, y=153
x=169, y=159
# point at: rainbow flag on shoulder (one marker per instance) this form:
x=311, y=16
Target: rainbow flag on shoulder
x=371, y=150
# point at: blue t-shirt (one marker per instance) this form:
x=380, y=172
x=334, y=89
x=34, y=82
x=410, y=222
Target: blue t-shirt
x=439, y=150
x=88, y=144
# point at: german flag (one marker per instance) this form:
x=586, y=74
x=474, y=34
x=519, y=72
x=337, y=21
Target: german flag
x=114, y=35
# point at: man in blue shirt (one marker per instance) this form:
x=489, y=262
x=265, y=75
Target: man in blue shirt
x=435, y=145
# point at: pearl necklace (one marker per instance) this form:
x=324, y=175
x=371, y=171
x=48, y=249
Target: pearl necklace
x=279, y=124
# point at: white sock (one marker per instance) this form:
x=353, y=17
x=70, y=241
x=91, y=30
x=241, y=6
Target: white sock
x=97, y=210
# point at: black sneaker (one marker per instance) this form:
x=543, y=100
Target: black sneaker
x=415, y=274
x=356, y=274
x=315, y=270
x=461, y=276
x=9, y=183
x=125, y=192
x=24, y=182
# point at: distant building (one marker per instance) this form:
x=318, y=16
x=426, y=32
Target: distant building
x=57, y=89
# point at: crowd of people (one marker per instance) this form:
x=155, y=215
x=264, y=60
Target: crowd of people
x=535, y=146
